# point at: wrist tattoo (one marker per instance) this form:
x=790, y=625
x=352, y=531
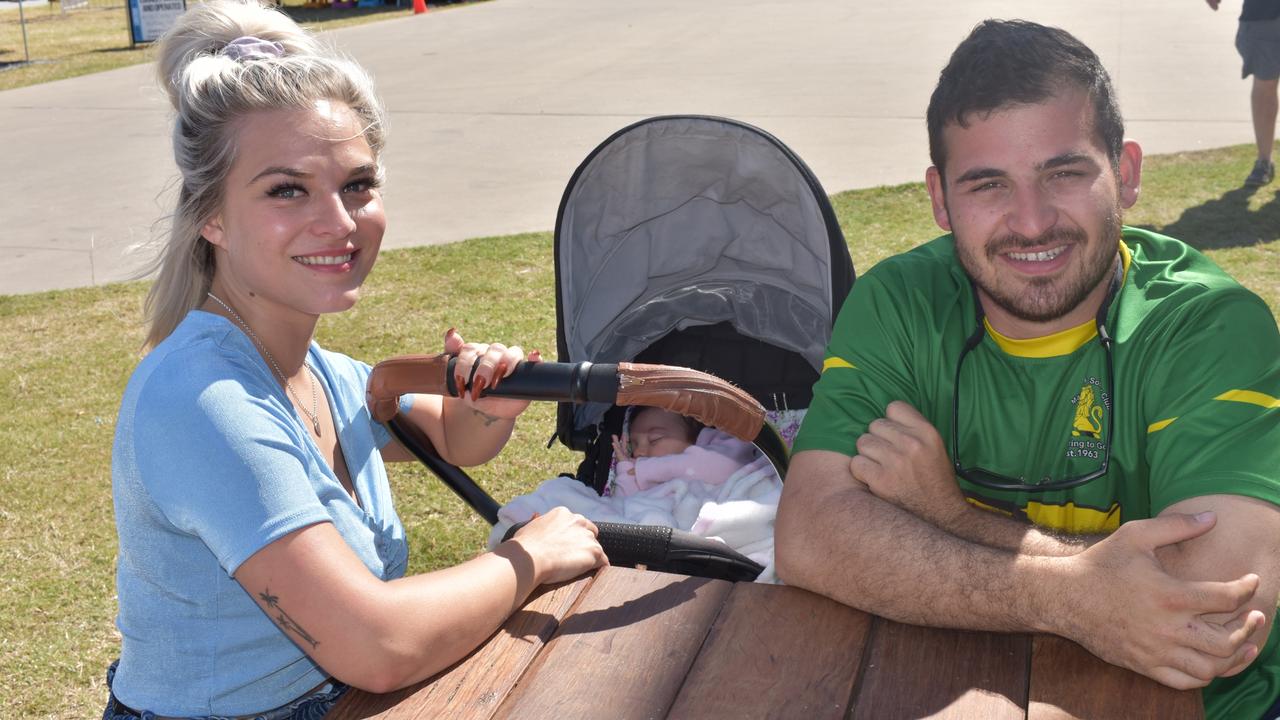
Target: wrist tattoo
x=486, y=417
x=282, y=618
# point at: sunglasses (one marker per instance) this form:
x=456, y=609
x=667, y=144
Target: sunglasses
x=996, y=481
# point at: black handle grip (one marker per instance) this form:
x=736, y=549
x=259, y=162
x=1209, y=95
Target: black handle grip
x=625, y=544
x=564, y=382
x=666, y=549
x=511, y=531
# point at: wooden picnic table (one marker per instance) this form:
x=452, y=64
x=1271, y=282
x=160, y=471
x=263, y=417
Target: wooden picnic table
x=636, y=644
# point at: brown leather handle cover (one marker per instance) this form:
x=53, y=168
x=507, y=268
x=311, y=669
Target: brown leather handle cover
x=707, y=398
x=404, y=375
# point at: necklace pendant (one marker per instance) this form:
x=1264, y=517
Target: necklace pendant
x=315, y=424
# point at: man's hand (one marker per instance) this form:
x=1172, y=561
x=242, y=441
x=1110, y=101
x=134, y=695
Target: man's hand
x=901, y=459
x=1124, y=607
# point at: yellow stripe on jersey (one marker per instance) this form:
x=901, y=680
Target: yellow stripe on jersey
x=837, y=362
x=1067, y=518
x=1073, y=519
x=1251, y=397
x=1245, y=396
x=989, y=508
x=1060, y=343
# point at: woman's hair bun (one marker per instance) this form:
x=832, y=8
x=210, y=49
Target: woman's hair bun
x=195, y=44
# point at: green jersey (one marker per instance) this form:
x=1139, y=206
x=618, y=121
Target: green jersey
x=1192, y=408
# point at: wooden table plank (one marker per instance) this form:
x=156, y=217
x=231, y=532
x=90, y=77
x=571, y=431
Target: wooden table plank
x=1068, y=682
x=624, y=651
x=777, y=652
x=474, y=687
x=919, y=672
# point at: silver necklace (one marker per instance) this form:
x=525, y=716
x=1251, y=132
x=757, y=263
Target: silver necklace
x=314, y=415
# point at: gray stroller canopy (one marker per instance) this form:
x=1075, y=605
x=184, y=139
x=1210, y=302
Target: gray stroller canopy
x=682, y=221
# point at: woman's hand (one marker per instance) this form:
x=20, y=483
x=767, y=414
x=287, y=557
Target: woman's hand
x=562, y=545
x=491, y=362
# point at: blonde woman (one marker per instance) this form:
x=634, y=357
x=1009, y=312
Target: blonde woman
x=261, y=560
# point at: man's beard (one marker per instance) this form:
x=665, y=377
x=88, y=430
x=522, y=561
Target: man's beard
x=1046, y=299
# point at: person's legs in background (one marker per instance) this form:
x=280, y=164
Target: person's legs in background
x=1264, y=101
x=1258, y=42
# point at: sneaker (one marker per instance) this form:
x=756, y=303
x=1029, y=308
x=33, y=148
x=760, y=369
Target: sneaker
x=1264, y=171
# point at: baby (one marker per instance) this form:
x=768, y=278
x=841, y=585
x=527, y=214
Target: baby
x=665, y=446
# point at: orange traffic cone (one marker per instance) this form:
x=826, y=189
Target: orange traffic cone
x=419, y=6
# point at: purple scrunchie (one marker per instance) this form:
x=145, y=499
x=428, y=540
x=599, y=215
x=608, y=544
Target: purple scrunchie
x=249, y=47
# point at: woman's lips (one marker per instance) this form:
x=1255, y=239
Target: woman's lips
x=328, y=261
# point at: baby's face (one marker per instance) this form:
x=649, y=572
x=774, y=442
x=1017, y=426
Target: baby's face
x=655, y=433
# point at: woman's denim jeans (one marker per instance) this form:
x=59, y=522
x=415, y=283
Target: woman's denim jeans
x=311, y=707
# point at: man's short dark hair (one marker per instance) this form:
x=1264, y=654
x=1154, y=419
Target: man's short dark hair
x=1015, y=62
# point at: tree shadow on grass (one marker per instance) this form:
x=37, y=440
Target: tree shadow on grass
x=1225, y=222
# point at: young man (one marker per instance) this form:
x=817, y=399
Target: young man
x=1045, y=421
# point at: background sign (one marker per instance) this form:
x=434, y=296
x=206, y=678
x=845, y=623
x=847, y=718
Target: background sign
x=149, y=19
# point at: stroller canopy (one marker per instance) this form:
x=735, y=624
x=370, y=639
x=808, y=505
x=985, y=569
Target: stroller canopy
x=681, y=221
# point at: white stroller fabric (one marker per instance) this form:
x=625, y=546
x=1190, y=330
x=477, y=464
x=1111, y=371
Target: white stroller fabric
x=739, y=512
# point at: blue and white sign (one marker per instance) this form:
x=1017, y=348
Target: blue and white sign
x=149, y=19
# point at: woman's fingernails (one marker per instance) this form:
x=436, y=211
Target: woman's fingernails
x=460, y=385
x=477, y=387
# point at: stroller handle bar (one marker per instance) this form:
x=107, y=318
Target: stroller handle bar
x=668, y=550
x=704, y=397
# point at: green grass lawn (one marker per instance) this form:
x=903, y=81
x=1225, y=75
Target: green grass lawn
x=69, y=353
x=96, y=38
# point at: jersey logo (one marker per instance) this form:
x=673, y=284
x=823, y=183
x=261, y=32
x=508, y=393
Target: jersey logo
x=1088, y=420
x=1091, y=407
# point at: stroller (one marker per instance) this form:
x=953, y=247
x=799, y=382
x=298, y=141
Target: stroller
x=689, y=251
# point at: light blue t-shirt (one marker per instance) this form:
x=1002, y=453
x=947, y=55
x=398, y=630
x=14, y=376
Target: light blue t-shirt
x=211, y=463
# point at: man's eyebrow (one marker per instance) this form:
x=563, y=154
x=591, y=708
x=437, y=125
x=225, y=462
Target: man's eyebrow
x=291, y=172
x=979, y=174
x=1070, y=158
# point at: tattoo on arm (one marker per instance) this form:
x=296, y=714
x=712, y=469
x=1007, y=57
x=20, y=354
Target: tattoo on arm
x=486, y=417
x=283, y=620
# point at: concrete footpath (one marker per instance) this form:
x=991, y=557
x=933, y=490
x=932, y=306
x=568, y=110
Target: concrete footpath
x=493, y=106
